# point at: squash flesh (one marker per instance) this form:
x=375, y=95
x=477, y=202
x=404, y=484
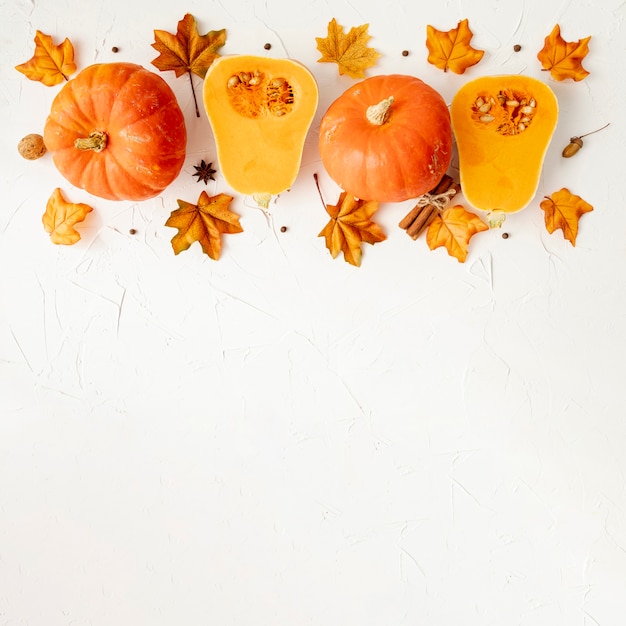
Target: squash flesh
x=260, y=111
x=500, y=159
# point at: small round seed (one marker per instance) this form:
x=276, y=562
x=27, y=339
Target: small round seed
x=505, y=235
x=268, y=46
x=115, y=49
x=405, y=53
x=283, y=229
x=517, y=47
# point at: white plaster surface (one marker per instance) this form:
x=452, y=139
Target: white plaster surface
x=279, y=438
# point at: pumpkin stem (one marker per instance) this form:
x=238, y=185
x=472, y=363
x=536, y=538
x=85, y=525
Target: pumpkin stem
x=97, y=141
x=378, y=114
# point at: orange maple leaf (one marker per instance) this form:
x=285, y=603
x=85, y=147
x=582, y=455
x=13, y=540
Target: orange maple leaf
x=204, y=222
x=453, y=228
x=349, y=51
x=187, y=52
x=349, y=226
x=50, y=64
x=563, y=58
x=60, y=218
x=563, y=210
x=452, y=49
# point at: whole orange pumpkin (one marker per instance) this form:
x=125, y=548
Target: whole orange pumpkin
x=116, y=130
x=387, y=138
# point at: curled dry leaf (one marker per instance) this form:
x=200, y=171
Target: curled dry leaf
x=187, y=52
x=562, y=210
x=563, y=58
x=203, y=222
x=452, y=229
x=60, y=218
x=50, y=64
x=451, y=50
x=349, y=51
x=349, y=226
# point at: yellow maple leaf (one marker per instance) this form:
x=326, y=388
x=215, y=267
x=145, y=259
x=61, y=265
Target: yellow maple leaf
x=349, y=226
x=563, y=58
x=451, y=50
x=50, y=63
x=203, y=222
x=452, y=229
x=562, y=210
x=60, y=218
x=187, y=52
x=349, y=51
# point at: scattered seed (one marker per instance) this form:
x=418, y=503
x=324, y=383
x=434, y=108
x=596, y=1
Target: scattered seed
x=132, y=231
x=517, y=47
x=405, y=53
x=115, y=49
x=283, y=229
x=505, y=235
x=268, y=46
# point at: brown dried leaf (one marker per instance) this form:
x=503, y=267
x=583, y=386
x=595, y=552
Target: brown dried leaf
x=349, y=51
x=563, y=210
x=563, y=58
x=50, y=64
x=349, y=226
x=60, y=218
x=453, y=229
x=451, y=50
x=204, y=222
x=187, y=52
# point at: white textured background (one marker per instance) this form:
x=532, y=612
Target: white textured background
x=282, y=439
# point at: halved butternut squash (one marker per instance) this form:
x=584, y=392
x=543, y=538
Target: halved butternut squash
x=503, y=126
x=260, y=110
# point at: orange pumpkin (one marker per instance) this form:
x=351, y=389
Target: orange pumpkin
x=116, y=130
x=387, y=138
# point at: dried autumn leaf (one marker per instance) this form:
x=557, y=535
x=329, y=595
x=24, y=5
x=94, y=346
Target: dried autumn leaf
x=349, y=226
x=562, y=58
x=453, y=229
x=187, y=52
x=452, y=49
x=204, y=222
x=60, y=218
x=349, y=51
x=563, y=210
x=50, y=64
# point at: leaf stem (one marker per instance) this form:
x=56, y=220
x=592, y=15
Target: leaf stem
x=319, y=191
x=193, y=93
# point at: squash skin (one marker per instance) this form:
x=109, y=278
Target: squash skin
x=402, y=158
x=502, y=172
x=260, y=153
x=145, y=128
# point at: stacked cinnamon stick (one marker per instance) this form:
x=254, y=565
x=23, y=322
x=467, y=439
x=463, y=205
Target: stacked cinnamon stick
x=425, y=211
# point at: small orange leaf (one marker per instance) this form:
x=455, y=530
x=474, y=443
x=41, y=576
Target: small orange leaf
x=349, y=226
x=60, y=218
x=50, y=64
x=452, y=49
x=453, y=228
x=204, y=222
x=563, y=58
x=563, y=210
x=350, y=51
x=187, y=51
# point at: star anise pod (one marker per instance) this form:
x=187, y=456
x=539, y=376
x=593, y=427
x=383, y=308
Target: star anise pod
x=204, y=172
